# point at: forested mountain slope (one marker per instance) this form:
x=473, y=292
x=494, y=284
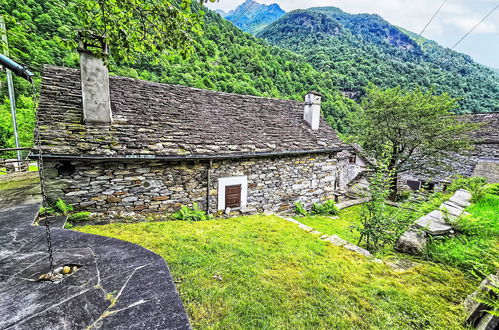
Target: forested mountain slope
x=226, y=59
x=357, y=49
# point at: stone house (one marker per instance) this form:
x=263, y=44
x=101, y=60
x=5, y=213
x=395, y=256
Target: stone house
x=111, y=143
x=481, y=161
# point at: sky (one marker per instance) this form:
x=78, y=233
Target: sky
x=453, y=21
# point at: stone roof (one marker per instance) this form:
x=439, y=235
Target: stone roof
x=488, y=133
x=153, y=119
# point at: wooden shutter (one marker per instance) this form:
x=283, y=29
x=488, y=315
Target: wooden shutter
x=233, y=196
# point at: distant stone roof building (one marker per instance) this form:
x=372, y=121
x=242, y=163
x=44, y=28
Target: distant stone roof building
x=121, y=144
x=482, y=160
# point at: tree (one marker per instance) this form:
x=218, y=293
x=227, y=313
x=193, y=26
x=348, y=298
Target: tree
x=138, y=26
x=414, y=129
x=381, y=225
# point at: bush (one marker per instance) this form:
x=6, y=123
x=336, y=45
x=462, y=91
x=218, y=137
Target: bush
x=55, y=208
x=60, y=206
x=191, y=214
x=80, y=216
x=300, y=209
x=494, y=189
x=476, y=186
x=326, y=208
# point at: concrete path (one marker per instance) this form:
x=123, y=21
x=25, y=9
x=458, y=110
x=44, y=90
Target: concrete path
x=119, y=285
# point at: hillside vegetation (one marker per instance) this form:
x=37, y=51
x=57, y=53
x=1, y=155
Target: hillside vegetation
x=356, y=49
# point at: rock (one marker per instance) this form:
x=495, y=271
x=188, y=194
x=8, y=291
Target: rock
x=358, y=249
x=477, y=317
x=412, y=242
x=336, y=240
x=433, y=223
x=305, y=227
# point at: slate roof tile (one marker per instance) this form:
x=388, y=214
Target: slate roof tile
x=167, y=120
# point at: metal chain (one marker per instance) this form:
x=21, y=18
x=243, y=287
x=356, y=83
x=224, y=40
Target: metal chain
x=49, y=245
x=40, y=173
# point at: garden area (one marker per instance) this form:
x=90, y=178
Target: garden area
x=262, y=272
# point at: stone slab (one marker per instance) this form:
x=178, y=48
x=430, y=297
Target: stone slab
x=336, y=240
x=358, y=249
x=461, y=198
x=138, y=281
x=433, y=223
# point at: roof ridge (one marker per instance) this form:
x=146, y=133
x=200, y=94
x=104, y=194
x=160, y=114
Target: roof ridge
x=113, y=76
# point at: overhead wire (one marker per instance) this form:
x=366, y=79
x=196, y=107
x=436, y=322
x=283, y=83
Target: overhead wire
x=473, y=29
x=431, y=19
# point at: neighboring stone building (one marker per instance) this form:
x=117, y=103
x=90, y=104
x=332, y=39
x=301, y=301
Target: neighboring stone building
x=481, y=161
x=115, y=143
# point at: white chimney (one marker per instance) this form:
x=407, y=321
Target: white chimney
x=95, y=86
x=312, y=111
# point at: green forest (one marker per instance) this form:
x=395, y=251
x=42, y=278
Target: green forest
x=357, y=49
x=229, y=60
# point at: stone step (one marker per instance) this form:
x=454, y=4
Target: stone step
x=433, y=223
x=461, y=198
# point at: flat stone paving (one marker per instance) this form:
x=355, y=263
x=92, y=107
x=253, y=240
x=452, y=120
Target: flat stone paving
x=119, y=285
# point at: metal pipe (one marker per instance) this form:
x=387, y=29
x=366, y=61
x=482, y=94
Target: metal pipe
x=10, y=84
x=208, y=185
x=195, y=157
x=18, y=69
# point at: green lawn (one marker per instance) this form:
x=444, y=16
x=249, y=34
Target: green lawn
x=275, y=275
x=340, y=225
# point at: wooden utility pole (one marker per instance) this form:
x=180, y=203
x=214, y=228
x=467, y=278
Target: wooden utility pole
x=10, y=86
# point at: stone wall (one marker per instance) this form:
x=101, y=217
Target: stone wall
x=484, y=155
x=274, y=184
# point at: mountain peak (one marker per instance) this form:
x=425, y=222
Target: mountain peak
x=253, y=17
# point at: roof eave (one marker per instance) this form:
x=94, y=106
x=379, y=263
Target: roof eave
x=194, y=157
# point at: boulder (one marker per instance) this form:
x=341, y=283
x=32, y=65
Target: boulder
x=412, y=242
x=433, y=223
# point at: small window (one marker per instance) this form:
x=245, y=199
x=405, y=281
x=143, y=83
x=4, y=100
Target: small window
x=233, y=196
x=352, y=159
x=414, y=185
x=65, y=169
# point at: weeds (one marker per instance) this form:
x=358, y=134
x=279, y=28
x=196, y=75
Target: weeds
x=191, y=214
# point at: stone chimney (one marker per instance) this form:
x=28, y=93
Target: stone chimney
x=95, y=83
x=312, y=111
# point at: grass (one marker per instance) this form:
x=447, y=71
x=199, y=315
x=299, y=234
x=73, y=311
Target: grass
x=342, y=225
x=262, y=272
x=476, y=247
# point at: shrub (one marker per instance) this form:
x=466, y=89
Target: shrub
x=494, y=189
x=60, y=206
x=191, y=214
x=476, y=186
x=57, y=207
x=80, y=216
x=326, y=208
x=300, y=209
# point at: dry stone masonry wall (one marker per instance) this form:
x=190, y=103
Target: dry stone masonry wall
x=274, y=184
